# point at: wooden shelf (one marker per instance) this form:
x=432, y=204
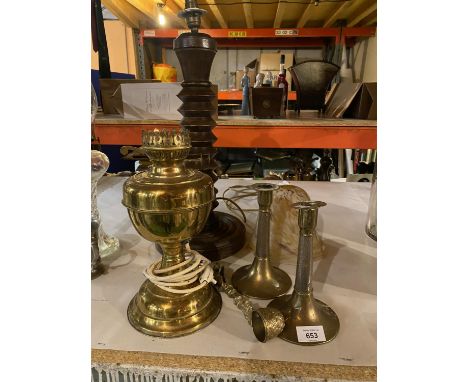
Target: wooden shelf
x=246, y=132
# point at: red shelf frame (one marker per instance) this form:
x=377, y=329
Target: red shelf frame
x=270, y=37
x=248, y=135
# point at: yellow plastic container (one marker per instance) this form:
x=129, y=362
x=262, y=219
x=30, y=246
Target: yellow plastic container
x=164, y=73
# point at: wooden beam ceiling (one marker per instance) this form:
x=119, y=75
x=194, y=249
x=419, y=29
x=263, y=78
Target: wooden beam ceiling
x=305, y=16
x=372, y=21
x=363, y=15
x=216, y=12
x=329, y=22
x=148, y=7
x=279, y=15
x=129, y=15
x=248, y=13
x=172, y=10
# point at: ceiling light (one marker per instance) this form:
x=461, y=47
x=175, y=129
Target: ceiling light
x=162, y=19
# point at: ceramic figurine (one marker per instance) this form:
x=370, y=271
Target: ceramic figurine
x=259, y=80
x=269, y=79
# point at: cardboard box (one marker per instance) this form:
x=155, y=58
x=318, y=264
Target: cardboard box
x=364, y=105
x=271, y=62
x=111, y=94
x=353, y=100
x=341, y=99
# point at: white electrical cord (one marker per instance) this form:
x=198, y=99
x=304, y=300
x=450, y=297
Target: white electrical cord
x=198, y=268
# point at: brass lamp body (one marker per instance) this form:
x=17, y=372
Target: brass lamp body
x=168, y=204
x=261, y=279
x=301, y=310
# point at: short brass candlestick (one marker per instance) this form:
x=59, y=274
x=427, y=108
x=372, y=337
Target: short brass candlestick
x=260, y=279
x=308, y=321
x=168, y=204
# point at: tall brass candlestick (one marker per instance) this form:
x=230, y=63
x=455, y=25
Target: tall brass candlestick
x=308, y=321
x=261, y=279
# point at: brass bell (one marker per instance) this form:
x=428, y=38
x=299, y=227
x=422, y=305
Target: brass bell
x=266, y=323
x=308, y=321
x=261, y=279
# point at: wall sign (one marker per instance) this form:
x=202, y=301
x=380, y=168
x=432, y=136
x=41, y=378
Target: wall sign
x=237, y=33
x=286, y=32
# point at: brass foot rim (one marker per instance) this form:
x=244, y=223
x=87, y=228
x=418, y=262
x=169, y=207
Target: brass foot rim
x=216, y=301
x=262, y=286
x=279, y=304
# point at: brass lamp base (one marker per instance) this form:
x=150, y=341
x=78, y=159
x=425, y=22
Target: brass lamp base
x=261, y=280
x=222, y=236
x=158, y=313
x=304, y=310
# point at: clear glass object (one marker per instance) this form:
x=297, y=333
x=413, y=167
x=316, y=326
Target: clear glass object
x=371, y=226
x=99, y=164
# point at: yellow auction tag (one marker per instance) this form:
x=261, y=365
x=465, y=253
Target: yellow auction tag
x=237, y=33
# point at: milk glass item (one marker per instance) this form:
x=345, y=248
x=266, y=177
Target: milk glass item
x=371, y=226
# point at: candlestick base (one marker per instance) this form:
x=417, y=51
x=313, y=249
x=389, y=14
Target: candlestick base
x=261, y=280
x=301, y=310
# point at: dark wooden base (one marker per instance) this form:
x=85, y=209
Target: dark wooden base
x=223, y=236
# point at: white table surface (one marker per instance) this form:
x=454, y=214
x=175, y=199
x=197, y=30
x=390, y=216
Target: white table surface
x=345, y=279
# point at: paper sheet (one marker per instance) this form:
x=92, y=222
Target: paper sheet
x=151, y=101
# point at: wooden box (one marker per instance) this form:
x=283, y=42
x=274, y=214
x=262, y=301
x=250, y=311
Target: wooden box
x=265, y=102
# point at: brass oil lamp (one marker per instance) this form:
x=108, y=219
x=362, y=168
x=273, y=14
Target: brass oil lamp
x=168, y=204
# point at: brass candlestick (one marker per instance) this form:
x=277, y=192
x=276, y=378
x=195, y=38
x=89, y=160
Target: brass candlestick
x=308, y=321
x=223, y=234
x=168, y=204
x=261, y=279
